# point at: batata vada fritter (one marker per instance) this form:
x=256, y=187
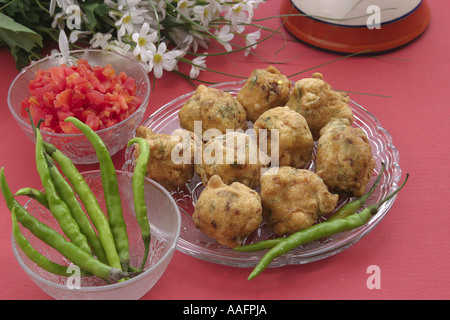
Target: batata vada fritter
x=232, y=156
x=316, y=100
x=263, y=90
x=227, y=213
x=164, y=148
x=293, y=199
x=344, y=158
x=295, y=141
x=216, y=109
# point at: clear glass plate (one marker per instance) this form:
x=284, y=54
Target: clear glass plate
x=193, y=242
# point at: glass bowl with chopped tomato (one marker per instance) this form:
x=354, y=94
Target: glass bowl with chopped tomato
x=107, y=91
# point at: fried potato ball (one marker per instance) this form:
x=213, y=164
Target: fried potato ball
x=164, y=149
x=293, y=199
x=295, y=142
x=344, y=158
x=263, y=90
x=316, y=100
x=232, y=156
x=227, y=213
x=216, y=109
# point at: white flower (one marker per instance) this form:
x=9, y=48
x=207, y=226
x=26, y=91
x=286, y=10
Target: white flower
x=74, y=19
x=63, y=4
x=198, y=64
x=128, y=20
x=58, y=21
x=254, y=3
x=161, y=5
x=198, y=39
x=125, y=25
x=144, y=42
x=223, y=36
x=250, y=40
x=51, y=7
x=119, y=47
x=180, y=37
x=163, y=59
x=76, y=34
x=63, y=43
x=204, y=14
x=183, y=8
x=100, y=40
x=122, y=5
x=238, y=14
x=64, y=48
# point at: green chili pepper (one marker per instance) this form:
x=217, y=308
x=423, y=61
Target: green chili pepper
x=90, y=202
x=68, y=249
x=111, y=191
x=260, y=245
x=318, y=231
x=140, y=206
x=37, y=195
x=67, y=194
x=52, y=238
x=353, y=206
x=32, y=253
x=343, y=212
x=58, y=207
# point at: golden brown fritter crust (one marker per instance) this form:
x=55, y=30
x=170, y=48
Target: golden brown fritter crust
x=344, y=158
x=160, y=167
x=295, y=141
x=227, y=213
x=216, y=109
x=263, y=90
x=232, y=157
x=316, y=100
x=293, y=199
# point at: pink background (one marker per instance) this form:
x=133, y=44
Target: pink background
x=411, y=245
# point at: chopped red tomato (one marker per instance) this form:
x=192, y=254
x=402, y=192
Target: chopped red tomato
x=96, y=95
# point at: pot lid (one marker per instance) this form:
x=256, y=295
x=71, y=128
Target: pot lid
x=350, y=26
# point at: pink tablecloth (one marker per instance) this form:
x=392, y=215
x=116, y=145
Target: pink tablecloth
x=410, y=246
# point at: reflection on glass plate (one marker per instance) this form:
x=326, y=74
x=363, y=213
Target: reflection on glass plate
x=195, y=243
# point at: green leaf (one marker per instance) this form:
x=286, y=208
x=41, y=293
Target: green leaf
x=90, y=13
x=17, y=36
x=94, y=9
x=102, y=9
x=21, y=57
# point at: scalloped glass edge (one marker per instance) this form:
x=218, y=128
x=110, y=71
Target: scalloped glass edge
x=340, y=242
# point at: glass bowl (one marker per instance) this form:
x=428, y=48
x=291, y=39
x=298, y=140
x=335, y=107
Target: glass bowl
x=76, y=146
x=165, y=222
x=195, y=243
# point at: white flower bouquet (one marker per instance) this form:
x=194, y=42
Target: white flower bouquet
x=158, y=33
